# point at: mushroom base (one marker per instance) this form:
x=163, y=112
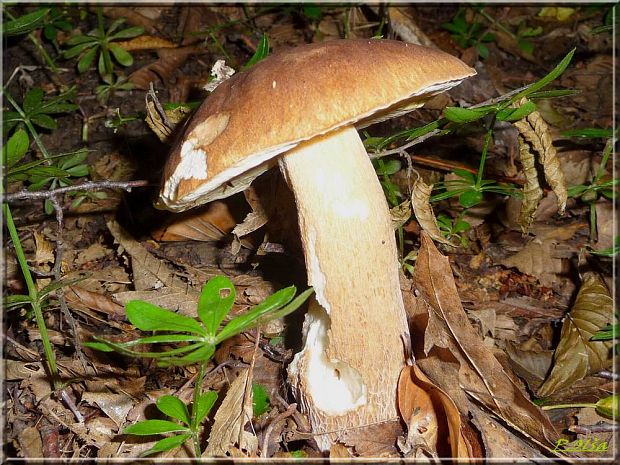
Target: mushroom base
x=346, y=376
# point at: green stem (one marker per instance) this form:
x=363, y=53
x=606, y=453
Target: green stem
x=194, y=426
x=558, y=406
x=26, y=120
x=606, y=154
x=34, y=297
x=485, y=149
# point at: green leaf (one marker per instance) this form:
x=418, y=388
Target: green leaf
x=551, y=76
x=204, y=405
x=149, y=317
x=44, y=121
x=387, y=168
x=17, y=300
x=15, y=148
x=526, y=46
x=121, y=55
x=86, y=60
x=609, y=406
x=590, y=133
x=33, y=99
x=244, y=321
x=102, y=346
x=149, y=427
x=260, y=399
x=173, y=407
x=216, y=300
x=127, y=33
x=114, y=26
x=464, y=115
x=55, y=285
x=515, y=114
x=203, y=353
x=470, y=198
x=262, y=50
x=312, y=12
x=166, y=444
x=81, y=39
x=286, y=310
x=483, y=50
x=469, y=177
x=78, y=49
x=24, y=24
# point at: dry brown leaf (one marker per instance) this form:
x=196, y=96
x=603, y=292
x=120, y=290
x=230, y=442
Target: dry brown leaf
x=115, y=406
x=420, y=201
x=576, y=356
x=532, y=193
x=433, y=420
x=480, y=373
x=162, y=70
x=229, y=422
x=94, y=301
x=400, y=214
x=209, y=224
x=539, y=258
x=378, y=440
x=136, y=16
x=404, y=26
x=154, y=281
x=535, y=131
x=145, y=42
x=161, y=121
x=30, y=443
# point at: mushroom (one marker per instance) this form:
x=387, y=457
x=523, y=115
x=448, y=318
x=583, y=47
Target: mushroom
x=301, y=108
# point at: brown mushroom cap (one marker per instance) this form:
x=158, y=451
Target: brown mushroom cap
x=294, y=96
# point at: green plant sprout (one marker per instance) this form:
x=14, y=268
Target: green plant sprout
x=100, y=42
x=469, y=35
x=196, y=342
x=454, y=229
x=600, y=185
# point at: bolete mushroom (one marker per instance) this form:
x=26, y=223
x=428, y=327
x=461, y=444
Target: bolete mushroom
x=301, y=108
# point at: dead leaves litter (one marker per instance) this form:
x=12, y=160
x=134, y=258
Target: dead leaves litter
x=480, y=373
x=420, y=200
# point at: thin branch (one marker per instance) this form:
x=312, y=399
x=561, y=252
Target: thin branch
x=87, y=186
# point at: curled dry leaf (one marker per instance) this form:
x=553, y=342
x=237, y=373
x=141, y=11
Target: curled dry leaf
x=532, y=193
x=433, y=420
x=400, y=214
x=230, y=420
x=162, y=69
x=210, y=224
x=535, y=131
x=145, y=42
x=136, y=16
x=576, y=355
x=420, y=200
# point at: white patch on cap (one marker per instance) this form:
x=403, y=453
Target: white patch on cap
x=273, y=84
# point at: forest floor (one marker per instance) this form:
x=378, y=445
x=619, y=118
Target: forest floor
x=535, y=285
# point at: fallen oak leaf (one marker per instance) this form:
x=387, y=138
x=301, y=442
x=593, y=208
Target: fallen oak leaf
x=576, y=355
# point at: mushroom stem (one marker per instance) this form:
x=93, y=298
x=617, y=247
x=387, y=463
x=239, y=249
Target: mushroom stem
x=347, y=373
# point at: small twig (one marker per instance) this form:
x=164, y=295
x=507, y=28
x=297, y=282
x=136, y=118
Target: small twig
x=60, y=295
x=287, y=413
x=86, y=186
x=600, y=428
